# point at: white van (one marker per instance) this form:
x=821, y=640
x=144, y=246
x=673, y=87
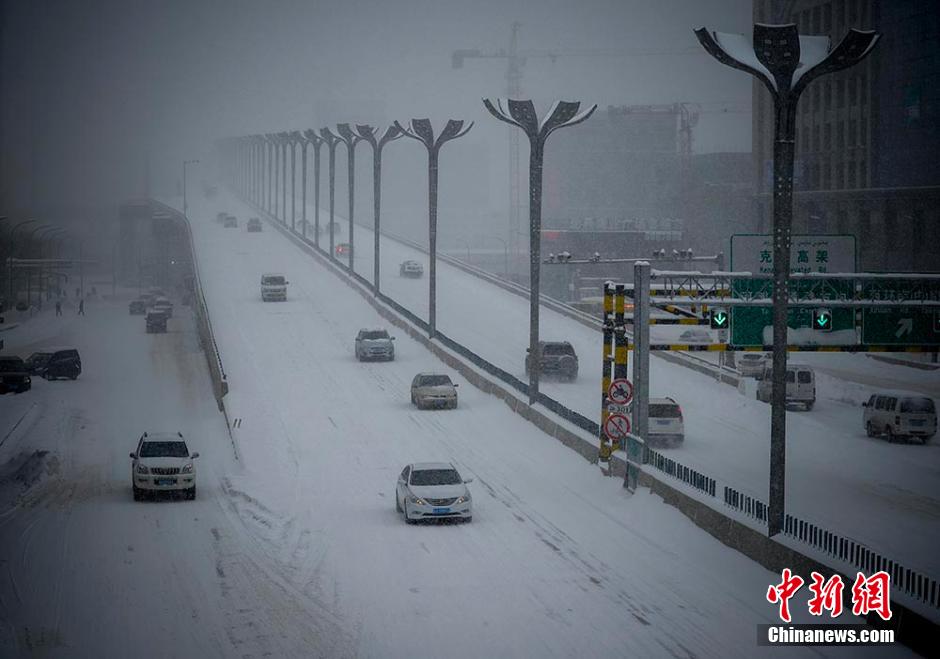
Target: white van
x=801, y=385
x=273, y=287
x=900, y=417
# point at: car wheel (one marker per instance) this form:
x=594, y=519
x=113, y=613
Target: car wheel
x=467, y=520
x=397, y=504
x=138, y=495
x=191, y=493
x=408, y=520
x=454, y=405
x=870, y=429
x=809, y=406
x=892, y=438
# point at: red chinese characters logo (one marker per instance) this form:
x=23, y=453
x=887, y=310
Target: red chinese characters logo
x=781, y=593
x=869, y=594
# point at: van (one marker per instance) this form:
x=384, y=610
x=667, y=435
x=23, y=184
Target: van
x=64, y=363
x=801, y=385
x=666, y=426
x=900, y=417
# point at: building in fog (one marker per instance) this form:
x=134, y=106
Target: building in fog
x=867, y=138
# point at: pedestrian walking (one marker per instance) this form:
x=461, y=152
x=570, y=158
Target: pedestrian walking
x=81, y=307
x=58, y=308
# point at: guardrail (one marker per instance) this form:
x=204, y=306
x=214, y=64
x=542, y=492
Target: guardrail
x=915, y=585
x=203, y=321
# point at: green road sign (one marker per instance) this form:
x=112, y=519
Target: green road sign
x=822, y=320
x=720, y=319
x=893, y=326
x=751, y=326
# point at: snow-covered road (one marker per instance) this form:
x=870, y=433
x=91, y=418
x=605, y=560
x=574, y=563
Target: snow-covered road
x=881, y=494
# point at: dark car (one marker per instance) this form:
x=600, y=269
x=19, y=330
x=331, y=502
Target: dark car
x=63, y=363
x=13, y=375
x=230, y=222
x=37, y=361
x=137, y=307
x=556, y=358
x=254, y=225
x=156, y=322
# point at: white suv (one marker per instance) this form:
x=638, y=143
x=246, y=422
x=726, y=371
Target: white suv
x=163, y=463
x=666, y=426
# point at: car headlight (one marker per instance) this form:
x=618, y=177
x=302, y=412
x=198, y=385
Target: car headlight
x=142, y=469
x=463, y=499
x=187, y=469
x=417, y=500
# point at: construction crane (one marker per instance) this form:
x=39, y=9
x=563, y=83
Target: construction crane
x=515, y=59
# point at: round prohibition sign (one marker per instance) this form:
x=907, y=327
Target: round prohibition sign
x=620, y=391
x=617, y=426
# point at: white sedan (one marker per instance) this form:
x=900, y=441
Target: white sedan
x=433, y=490
x=163, y=463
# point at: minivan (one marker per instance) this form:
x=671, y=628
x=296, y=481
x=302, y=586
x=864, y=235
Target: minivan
x=900, y=417
x=801, y=385
x=64, y=363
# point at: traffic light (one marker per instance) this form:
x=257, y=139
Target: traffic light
x=720, y=319
x=822, y=320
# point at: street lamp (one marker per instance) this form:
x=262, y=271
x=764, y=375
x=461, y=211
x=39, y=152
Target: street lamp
x=350, y=139
x=311, y=138
x=284, y=141
x=29, y=238
x=522, y=114
x=50, y=231
x=368, y=134
x=185, y=207
x=13, y=250
x=420, y=129
x=293, y=139
x=785, y=63
x=331, y=140
x=272, y=174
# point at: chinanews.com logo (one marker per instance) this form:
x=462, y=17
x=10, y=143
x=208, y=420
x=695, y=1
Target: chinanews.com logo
x=869, y=595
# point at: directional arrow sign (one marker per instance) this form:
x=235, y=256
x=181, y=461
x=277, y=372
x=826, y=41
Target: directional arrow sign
x=719, y=319
x=822, y=320
x=905, y=326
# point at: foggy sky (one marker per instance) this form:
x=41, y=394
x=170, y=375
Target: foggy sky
x=90, y=87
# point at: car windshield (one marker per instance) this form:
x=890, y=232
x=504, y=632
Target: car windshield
x=433, y=381
x=38, y=357
x=917, y=405
x=373, y=335
x=804, y=377
x=664, y=411
x=557, y=349
x=753, y=357
x=169, y=449
x=276, y=280
x=435, y=477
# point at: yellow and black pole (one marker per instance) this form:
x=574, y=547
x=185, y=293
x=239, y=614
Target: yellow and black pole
x=608, y=329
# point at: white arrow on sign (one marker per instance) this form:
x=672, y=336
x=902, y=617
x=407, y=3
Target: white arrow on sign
x=905, y=326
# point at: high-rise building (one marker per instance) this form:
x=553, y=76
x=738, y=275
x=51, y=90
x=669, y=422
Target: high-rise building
x=868, y=137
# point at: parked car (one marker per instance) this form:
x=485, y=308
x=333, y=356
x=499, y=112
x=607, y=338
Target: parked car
x=342, y=249
x=37, y=361
x=433, y=490
x=555, y=358
x=411, y=269
x=63, y=363
x=801, y=385
x=666, y=425
x=164, y=306
x=254, y=225
x=900, y=417
x=156, y=321
x=137, y=307
x=433, y=390
x=695, y=335
x=374, y=344
x=163, y=463
x=13, y=375
x=752, y=364
x=273, y=287
x=230, y=222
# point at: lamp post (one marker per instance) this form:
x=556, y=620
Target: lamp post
x=316, y=141
x=331, y=140
x=285, y=141
x=269, y=157
x=368, y=134
x=185, y=206
x=350, y=139
x=29, y=279
x=785, y=63
x=420, y=129
x=522, y=114
x=273, y=174
x=50, y=231
x=292, y=139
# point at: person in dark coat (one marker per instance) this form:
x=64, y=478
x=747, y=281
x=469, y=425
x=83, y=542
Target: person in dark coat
x=81, y=307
